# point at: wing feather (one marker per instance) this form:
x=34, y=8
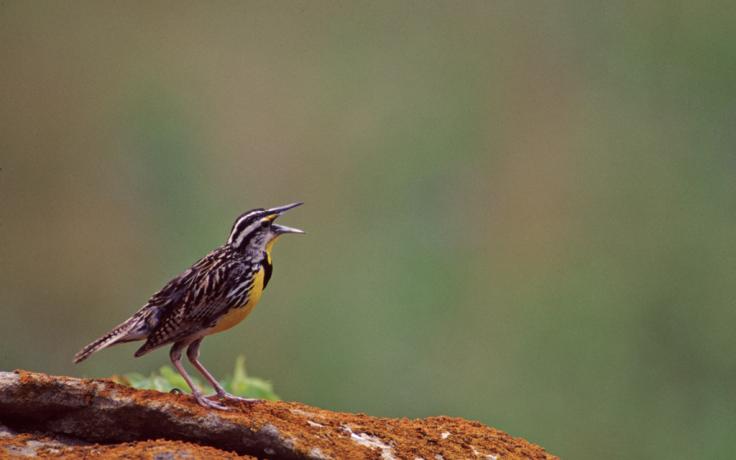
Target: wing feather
x=197, y=298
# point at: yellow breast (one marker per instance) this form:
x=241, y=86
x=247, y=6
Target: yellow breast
x=236, y=315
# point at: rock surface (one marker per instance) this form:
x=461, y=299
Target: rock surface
x=48, y=416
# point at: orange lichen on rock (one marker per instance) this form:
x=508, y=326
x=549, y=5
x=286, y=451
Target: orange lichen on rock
x=28, y=445
x=119, y=417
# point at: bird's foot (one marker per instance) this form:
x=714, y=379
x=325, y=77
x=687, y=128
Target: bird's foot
x=208, y=403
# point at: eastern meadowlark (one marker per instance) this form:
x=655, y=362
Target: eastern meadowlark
x=213, y=295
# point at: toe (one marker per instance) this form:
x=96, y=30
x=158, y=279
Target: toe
x=203, y=401
x=238, y=398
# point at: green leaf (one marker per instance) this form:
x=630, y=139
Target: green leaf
x=239, y=383
x=168, y=379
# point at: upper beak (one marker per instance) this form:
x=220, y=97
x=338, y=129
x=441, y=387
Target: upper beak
x=275, y=212
x=282, y=209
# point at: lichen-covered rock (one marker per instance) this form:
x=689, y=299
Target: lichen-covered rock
x=29, y=445
x=81, y=417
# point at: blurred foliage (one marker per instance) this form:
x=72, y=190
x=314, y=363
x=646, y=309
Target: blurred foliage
x=167, y=380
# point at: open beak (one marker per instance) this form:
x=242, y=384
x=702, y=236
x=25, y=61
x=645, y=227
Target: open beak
x=276, y=212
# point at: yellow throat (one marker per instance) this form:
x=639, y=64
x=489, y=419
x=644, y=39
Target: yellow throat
x=236, y=315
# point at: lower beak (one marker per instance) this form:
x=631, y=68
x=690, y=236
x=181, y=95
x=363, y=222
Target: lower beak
x=280, y=229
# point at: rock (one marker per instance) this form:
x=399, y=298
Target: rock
x=25, y=445
x=49, y=416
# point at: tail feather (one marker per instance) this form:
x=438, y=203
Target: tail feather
x=124, y=332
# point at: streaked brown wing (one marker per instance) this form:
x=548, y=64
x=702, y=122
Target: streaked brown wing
x=202, y=301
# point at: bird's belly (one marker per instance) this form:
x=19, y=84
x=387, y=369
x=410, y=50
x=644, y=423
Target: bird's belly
x=236, y=315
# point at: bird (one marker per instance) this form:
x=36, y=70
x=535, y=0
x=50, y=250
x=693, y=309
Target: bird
x=213, y=295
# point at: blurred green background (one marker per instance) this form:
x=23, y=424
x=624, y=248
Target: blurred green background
x=522, y=213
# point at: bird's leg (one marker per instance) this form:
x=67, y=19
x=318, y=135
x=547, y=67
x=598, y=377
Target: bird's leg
x=193, y=355
x=175, y=355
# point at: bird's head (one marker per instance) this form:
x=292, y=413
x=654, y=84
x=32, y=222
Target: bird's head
x=255, y=230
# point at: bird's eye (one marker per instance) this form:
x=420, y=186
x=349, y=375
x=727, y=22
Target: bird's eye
x=265, y=223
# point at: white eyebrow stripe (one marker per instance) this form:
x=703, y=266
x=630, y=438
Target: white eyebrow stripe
x=237, y=235
x=248, y=230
